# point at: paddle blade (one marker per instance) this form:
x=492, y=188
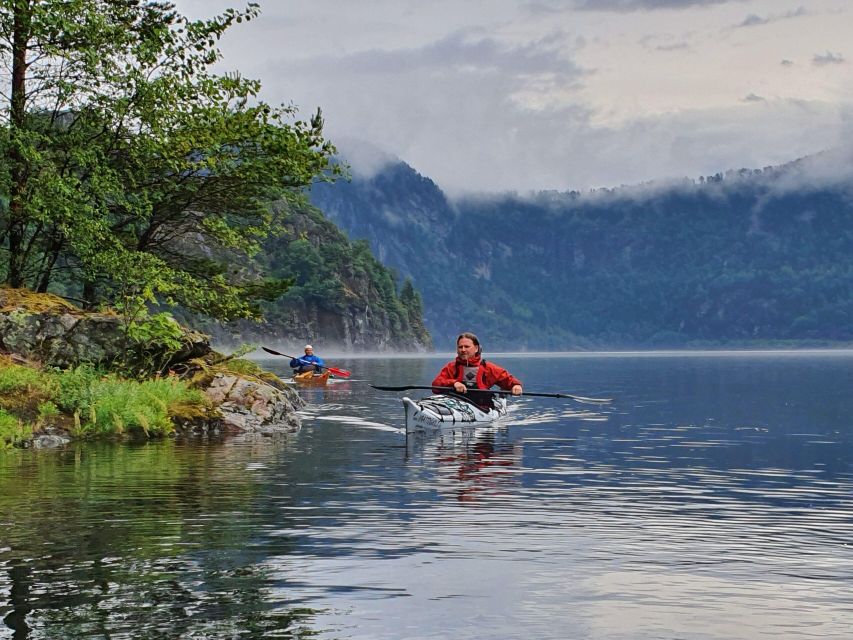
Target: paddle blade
x=341, y=373
x=274, y=352
x=583, y=399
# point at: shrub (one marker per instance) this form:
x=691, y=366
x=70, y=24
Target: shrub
x=12, y=431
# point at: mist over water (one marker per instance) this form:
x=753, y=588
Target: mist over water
x=710, y=500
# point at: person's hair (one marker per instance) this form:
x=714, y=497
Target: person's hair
x=472, y=338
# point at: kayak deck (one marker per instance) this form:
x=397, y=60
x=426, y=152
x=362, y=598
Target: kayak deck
x=448, y=412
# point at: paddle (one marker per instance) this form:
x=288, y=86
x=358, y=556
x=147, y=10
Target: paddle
x=343, y=373
x=500, y=392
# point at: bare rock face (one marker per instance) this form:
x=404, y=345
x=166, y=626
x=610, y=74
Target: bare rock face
x=47, y=329
x=254, y=406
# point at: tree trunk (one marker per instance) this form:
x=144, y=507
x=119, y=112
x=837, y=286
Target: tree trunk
x=17, y=124
x=89, y=295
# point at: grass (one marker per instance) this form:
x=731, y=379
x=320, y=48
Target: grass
x=85, y=401
x=12, y=430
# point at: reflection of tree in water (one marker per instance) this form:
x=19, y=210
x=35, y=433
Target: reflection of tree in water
x=153, y=541
x=168, y=599
x=479, y=462
x=19, y=597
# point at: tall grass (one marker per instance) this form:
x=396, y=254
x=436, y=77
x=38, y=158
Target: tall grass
x=122, y=405
x=12, y=430
x=89, y=402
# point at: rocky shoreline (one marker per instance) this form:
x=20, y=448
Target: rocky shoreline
x=44, y=331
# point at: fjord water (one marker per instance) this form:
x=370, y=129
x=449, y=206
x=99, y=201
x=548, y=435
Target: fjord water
x=712, y=499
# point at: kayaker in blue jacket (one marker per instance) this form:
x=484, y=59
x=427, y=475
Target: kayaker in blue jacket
x=307, y=362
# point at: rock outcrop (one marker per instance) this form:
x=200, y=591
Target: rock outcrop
x=253, y=405
x=52, y=331
x=43, y=329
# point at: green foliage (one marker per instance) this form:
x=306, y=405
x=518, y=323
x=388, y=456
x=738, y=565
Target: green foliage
x=160, y=327
x=12, y=431
x=99, y=403
x=15, y=379
x=155, y=339
x=106, y=404
x=47, y=410
x=76, y=389
x=122, y=405
x=131, y=168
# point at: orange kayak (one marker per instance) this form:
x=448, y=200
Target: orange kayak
x=311, y=377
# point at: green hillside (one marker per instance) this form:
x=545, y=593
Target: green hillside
x=340, y=295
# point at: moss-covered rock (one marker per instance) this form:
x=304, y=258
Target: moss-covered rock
x=52, y=331
x=61, y=377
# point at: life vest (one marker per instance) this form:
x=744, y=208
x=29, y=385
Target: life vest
x=472, y=377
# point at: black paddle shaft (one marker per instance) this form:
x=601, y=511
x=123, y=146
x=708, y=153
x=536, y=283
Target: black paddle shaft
x=497, y=392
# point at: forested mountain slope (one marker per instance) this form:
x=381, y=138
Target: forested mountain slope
x=749, y=258
x=342, y=297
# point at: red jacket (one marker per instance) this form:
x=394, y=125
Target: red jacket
x=488, y=374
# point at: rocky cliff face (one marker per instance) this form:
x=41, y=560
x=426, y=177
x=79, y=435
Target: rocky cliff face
x=358, y=328
x=407, y=222
x=391, y=206
x=341, y=296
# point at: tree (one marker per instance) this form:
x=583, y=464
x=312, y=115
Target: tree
x=132, y=170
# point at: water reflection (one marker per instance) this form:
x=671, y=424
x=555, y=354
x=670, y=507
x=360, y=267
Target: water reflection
x=102, y=541
x=471, y=463
x=711, y=500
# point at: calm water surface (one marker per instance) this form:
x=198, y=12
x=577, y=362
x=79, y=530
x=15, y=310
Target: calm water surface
x=713, y=499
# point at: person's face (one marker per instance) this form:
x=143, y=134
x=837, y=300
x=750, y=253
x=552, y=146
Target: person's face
x=466, y=348
x=309, y=352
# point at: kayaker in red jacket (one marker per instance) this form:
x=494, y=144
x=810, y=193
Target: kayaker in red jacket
x=470, y=372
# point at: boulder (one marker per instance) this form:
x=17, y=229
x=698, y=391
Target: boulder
x=50, y=330
x=254, y=406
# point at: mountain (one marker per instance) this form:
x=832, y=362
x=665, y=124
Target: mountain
x=746, y=258
x=341, y=298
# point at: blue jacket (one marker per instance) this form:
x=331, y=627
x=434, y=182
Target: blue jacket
x=306, y=363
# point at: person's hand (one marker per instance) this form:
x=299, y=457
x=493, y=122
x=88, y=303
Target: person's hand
x=516, y=390
x=458, y=387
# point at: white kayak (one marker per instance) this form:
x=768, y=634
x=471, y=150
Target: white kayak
x=448, y=412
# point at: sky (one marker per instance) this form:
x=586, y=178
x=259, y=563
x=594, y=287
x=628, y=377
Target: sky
x=516, y=95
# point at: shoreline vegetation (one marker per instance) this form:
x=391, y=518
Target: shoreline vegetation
x=135, y=179
x=108, y=377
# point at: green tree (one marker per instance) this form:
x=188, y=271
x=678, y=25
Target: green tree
x=133, y=172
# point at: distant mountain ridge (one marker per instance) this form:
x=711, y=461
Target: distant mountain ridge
x=746, y=258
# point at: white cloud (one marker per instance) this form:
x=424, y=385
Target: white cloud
x=827, y=58
x=641, y=5
x=515, y=95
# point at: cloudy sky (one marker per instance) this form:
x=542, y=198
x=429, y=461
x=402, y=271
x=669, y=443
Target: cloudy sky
x=496, y=95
